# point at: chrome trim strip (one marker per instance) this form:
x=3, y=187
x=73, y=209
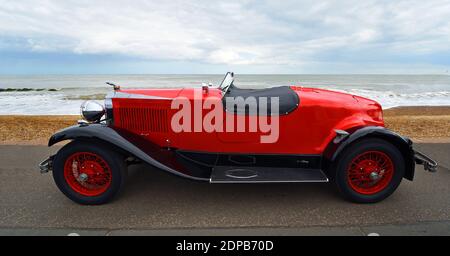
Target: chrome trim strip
x=108, y=103
x=241, y=177
x=123, y=95
x=110, y=95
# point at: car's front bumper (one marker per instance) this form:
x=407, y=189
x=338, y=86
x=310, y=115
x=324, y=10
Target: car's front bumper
x=46, y=165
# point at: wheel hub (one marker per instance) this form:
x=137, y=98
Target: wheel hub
x=83, y=177
x=374, y=176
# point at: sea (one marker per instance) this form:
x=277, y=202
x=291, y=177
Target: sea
x=63, y=94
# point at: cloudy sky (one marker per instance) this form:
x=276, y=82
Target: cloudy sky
x=115, y=36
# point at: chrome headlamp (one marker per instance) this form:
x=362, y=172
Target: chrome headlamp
x=92, y=111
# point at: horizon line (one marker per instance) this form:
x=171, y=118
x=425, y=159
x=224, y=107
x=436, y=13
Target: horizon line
x=213, y=74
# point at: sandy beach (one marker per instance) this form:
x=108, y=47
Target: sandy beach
x=422, y=124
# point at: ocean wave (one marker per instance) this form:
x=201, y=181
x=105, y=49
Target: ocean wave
x=99, y=96
x=38, y=104
x=390, y=99
x=29, y=89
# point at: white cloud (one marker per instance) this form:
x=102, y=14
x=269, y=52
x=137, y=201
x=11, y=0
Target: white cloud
x=231, y=32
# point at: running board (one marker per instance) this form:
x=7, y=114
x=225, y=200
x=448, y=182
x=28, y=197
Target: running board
x=233, y=174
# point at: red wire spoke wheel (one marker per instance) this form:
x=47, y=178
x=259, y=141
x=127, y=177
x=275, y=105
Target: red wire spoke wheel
x=370, y=172
x=87, y=173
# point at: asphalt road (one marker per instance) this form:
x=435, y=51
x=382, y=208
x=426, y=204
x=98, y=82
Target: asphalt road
x=154, y=202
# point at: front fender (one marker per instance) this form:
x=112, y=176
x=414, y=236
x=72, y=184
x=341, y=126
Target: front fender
x=403, y=144
x=105, y=134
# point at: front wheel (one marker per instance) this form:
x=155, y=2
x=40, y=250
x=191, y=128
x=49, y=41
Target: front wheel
x=369, y=171
x=88, y=173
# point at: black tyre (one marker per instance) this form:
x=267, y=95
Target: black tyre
x=369, y=170
x=89, y=173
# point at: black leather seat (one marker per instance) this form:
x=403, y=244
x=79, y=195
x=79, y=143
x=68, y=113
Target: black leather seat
x=288, y=99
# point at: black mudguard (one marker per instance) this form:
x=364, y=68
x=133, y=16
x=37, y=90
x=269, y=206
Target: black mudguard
x=404, y=145
x=121, y=140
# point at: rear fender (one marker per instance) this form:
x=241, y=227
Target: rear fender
x=104, y=134
x=403, y=144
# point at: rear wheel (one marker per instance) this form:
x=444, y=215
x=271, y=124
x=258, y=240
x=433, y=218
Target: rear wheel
x=89, y=173
x=369, y=171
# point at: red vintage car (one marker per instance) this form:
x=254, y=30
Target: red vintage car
x=225, y=134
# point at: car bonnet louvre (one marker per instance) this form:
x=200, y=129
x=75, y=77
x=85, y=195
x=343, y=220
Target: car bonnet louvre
x=143, y=119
